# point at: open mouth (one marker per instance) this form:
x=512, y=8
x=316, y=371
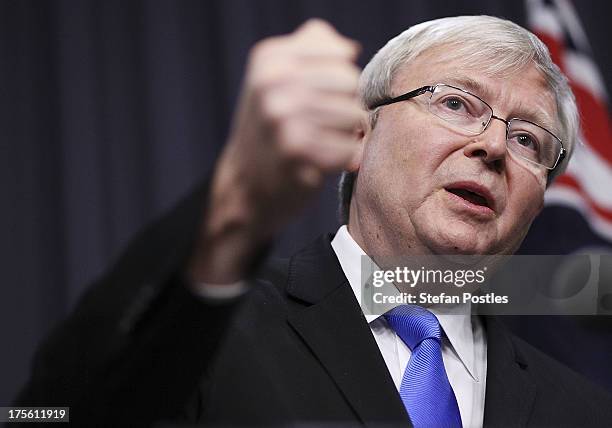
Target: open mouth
x=474, y=196
x=471, y=197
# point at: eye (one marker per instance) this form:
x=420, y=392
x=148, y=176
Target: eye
x=454, y=104
x=525, y=140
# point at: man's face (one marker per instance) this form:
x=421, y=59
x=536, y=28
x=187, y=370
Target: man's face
x=412, y=193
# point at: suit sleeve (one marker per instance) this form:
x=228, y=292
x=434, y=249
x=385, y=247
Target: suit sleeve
x=138, y=342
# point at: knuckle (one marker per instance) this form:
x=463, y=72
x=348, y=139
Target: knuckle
x=261, y=82
x=271, y=75
x=319, y=24
x=285, y=102
x=269, y=108
x=264, y=47
x=275, y=106
x=293, y=138
x=323, y=30
x=310, y=25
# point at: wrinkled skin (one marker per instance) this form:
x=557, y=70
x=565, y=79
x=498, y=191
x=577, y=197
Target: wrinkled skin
x=400, y=205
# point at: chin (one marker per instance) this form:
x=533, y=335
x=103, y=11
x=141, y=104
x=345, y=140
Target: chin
x=459, y=247
x=451, y=240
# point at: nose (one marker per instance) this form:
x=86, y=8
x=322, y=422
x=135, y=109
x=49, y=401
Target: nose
x=490, y=145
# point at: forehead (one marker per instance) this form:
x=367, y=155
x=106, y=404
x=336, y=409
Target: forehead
x=522, y=93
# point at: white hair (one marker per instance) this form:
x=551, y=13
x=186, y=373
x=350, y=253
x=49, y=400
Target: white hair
x=497, y=47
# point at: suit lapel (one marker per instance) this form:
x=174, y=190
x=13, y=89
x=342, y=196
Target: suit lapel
x=510, y=393
x=330, y=321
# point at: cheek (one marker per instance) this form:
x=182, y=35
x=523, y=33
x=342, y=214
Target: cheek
x=526, y=186
x=526, y=201
x=417, y=150
x=404, y=163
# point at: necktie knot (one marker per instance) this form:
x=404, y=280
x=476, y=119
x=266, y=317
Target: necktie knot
x=413, y=324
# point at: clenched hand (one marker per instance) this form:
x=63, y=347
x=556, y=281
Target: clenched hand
x=297, y=120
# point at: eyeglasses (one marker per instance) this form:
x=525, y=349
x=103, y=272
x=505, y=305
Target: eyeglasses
x=467, y=112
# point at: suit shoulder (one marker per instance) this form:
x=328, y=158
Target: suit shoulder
x=555, y=378
x=275, y=271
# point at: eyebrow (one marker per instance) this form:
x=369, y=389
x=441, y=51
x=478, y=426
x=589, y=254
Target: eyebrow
x=538, y=117
x=522, y=112
x=468, y=84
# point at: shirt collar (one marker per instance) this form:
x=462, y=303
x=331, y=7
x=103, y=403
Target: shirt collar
x=455, y=320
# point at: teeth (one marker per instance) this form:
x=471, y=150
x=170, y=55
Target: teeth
x=472, y=197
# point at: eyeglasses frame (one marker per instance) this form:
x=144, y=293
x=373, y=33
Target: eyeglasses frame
x=420, y=91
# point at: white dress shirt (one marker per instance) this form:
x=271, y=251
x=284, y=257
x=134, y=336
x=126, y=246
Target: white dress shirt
x=464, y=347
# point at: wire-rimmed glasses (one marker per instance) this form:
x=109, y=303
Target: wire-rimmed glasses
x=469, y=113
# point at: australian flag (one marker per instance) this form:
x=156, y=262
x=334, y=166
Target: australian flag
x=578, y=213
x=577, y=218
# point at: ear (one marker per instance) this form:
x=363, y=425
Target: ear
x=360, y=134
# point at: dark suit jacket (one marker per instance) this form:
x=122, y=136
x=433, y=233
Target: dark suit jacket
x=296, y=348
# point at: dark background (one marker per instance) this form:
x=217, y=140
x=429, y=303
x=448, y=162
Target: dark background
x=110, y=111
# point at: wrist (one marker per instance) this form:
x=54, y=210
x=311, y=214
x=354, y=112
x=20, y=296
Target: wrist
x=229, y=238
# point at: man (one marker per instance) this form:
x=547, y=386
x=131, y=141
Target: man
x=467, y=122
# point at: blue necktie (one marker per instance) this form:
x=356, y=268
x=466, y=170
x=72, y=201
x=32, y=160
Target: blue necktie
x=425, y=389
